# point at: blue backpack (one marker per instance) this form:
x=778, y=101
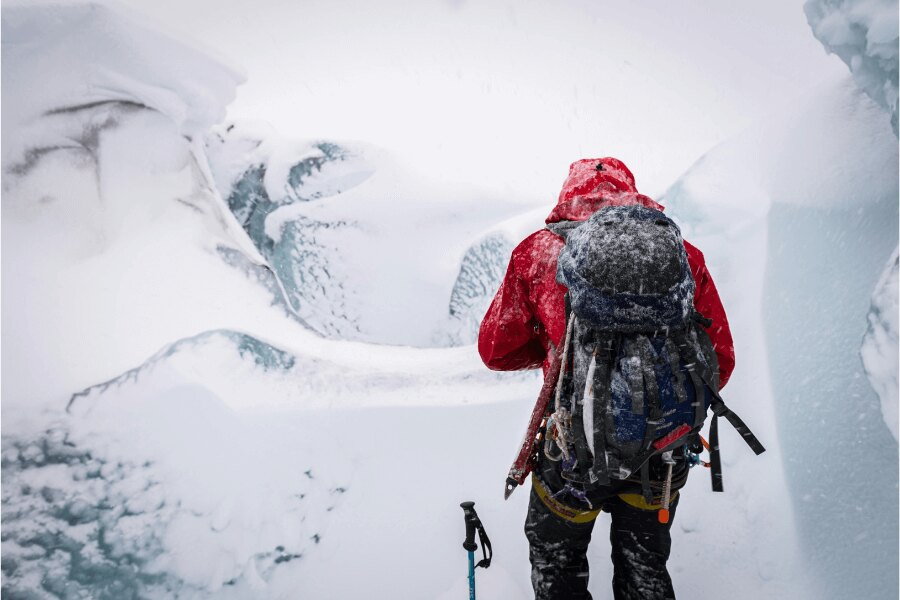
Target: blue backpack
x=639, y=372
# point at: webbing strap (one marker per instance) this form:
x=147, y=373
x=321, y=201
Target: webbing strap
x=645, y=483
x=634, y=374
x=601, y=384
x=648, y=370
x=579, y=440
x=651, y=387
x=638, y=501
x=720, y=410
x=564, y=366
x=674, y=356
x=699, y=398
x=654, y=415
x=582, y=456
x=715, y=459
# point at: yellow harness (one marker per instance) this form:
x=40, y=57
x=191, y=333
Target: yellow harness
x=576, y=515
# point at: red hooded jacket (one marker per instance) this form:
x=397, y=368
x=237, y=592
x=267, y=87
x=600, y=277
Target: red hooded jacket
x=528, y=313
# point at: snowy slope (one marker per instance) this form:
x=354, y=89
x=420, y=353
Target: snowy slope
x=116, y=245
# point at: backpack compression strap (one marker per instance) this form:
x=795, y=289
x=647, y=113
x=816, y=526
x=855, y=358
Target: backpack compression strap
x=720, y=410
x=605, y=356
x=701, y=372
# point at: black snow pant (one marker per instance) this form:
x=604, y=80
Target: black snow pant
x=640, y=549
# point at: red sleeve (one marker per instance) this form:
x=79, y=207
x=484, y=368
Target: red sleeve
x=708, y=303
x=507, y=340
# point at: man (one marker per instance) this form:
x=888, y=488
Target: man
x=524, y=325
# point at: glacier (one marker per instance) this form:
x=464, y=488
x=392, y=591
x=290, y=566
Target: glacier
x=331, y=220
x=269, y=180
x=264, y=344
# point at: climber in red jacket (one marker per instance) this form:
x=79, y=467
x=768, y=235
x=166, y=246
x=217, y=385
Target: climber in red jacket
x=525, y=323
x=528, y=312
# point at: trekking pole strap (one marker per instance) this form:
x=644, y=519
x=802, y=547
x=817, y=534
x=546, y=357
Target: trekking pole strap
x=473, y=524
x=485, y=547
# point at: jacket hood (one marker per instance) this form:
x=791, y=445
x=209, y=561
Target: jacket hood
x=594, y=183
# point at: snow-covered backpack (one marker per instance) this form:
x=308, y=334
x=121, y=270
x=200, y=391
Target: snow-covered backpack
x=639, y=371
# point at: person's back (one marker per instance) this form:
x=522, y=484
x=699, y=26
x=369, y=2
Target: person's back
x=524, y=326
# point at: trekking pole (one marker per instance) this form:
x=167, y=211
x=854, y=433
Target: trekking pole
x=473, y=523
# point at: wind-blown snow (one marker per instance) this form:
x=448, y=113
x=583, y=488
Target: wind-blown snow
x=864, y=34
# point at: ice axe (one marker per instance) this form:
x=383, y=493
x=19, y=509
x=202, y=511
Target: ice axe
x=473, y=523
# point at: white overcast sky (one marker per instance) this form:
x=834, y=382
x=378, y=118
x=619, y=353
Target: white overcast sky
x=506, y=93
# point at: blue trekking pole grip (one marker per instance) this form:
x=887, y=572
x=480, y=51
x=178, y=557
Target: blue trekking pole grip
x=473, y=524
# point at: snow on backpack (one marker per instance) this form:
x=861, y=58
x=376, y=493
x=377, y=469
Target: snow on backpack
x=638, y=370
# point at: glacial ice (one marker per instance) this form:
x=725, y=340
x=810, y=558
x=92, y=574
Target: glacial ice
x=263, y=355
x=274, y=179
x=879, y=346
x=805, y=210
x=864, y=34
x=480, y=273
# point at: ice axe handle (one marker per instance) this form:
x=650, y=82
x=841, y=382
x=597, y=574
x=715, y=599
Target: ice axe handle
x=471, y=525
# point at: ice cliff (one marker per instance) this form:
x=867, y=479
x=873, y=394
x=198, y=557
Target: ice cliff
x=805, y=209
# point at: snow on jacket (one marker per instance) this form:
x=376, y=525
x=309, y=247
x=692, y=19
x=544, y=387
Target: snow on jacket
x=527, y=316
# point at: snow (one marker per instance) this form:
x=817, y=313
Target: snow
x=879, y=346
x=50, y=58
x=333, y=223
x=620, y=247
x=864, y=34
x=182, y=417
x=797, y=242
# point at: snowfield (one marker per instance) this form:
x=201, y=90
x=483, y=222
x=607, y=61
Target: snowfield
x=240, y=364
